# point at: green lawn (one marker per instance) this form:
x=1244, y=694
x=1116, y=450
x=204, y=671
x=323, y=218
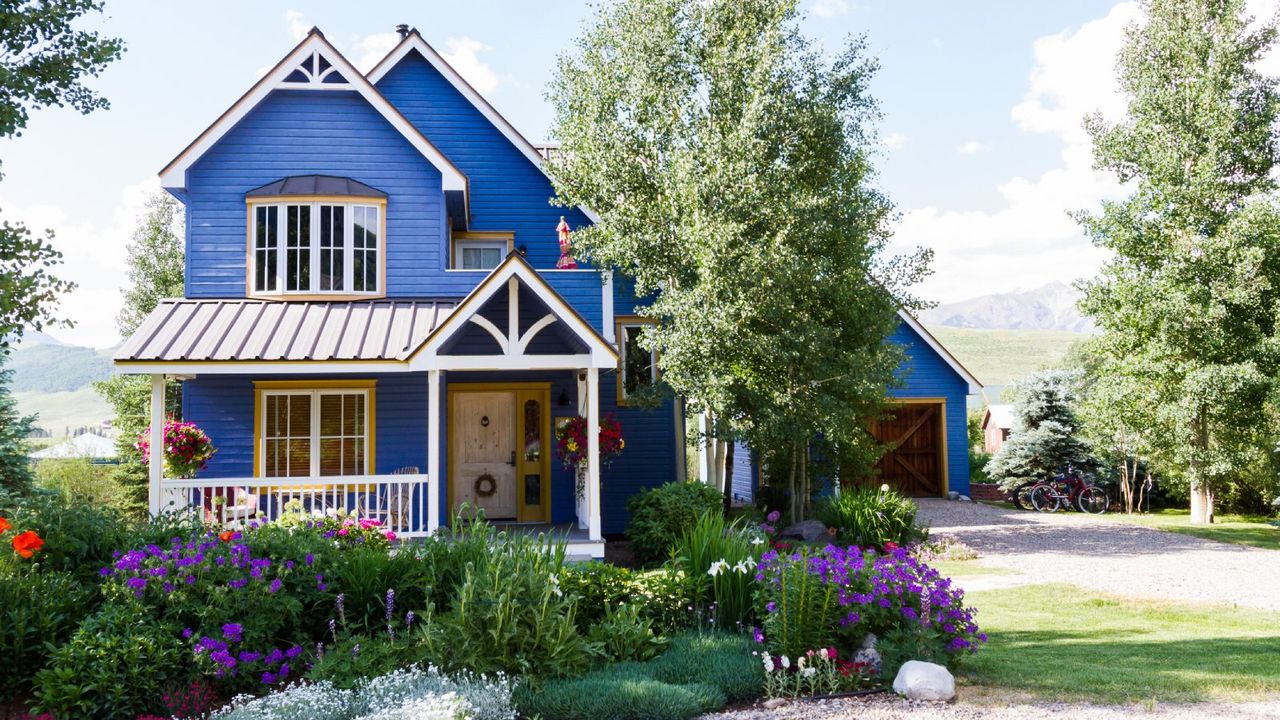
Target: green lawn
x=1064, y=643
x=1240, y=529
x=968, y=569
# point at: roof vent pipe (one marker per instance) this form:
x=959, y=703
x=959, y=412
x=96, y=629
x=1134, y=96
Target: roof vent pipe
x=403, y=29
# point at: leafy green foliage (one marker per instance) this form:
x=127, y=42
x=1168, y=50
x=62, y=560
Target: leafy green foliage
x=79, y=534
x=728, y=157
x=721, y=556
x=118, y=664
x=38, y=611
x=660, y=515
x=1047, y=438
x=1187, y=302
x=663, y=595
x=624, y=634
x=15, y=468
x=870, y=517
x=354, y=660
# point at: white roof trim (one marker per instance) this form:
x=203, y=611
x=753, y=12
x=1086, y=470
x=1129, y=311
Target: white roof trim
x=414, y=41
x=174, y=175
x=974, y=386
x=506, y=277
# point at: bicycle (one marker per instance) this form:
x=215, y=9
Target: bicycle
x=1069, y=489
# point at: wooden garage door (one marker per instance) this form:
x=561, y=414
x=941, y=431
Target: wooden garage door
x=914, y=461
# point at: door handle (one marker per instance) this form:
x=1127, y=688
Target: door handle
x=513, y=459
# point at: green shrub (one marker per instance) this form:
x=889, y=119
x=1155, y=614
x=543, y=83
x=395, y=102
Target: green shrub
x=365, y=574
x=722, y=556
x=659, y=516
x=81, y=478
x=867, y=517
x=118, y=664
x=510, y=615
x=79, y=536
x=623, y=634
x=621, y=692
x=666, y=597
x=598, y=585
x=357, y=658
x=38, y=611
x=720, y=659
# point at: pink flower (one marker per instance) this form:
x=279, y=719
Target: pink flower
x=391, y=535
x=343, y=531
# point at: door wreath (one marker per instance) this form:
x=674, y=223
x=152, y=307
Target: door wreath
x=486, y=485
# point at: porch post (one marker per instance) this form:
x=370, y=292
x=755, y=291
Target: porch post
x=593, y=453
x=433, y=451
x=155, y=466
x=706, y=450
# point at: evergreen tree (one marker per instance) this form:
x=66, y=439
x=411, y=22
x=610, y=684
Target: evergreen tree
x=15, y=466
x=1045, y=439
x=1187, y=305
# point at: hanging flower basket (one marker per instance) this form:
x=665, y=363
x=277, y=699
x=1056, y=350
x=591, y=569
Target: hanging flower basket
x=571, y=446
x=187, y=448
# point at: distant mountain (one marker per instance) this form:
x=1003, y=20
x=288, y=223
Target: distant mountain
x=54, y=381
x=1051, y=307
x=31, y=338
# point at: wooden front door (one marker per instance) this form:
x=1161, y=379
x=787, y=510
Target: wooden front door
x=915, y=463
x=482, y=442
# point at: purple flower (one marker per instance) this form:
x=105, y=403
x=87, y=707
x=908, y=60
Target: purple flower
x=310, y=559
x=232, y=631
x=771, y=607
x=186, y=633
x=268, y=678
x=408, y=619
x=758, y=634
x=275, y=586
x=774, y=516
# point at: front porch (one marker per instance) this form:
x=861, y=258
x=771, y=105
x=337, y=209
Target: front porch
x=400, y=410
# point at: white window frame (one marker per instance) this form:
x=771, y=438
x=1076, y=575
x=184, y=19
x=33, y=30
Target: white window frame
x=315, y=396
x=461, y=244
x=623, y=323
x=349, y=206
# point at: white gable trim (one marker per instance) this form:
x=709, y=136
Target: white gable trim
x=508, y=277
x=414, y=41
x=974, y=386
x=174, y=175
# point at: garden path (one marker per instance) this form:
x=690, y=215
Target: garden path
x=1105, y=555
x=890, y=707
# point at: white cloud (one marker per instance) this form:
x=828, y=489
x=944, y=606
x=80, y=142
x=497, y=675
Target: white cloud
x=830, y=8
x=893, y=140
x=298, y=26
x=1030, y=239
x=463, y=54
x=973, y=147
x=372, y=48
x=94, y=257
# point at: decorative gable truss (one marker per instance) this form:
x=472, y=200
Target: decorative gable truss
x=314, y=64
x=492, y=313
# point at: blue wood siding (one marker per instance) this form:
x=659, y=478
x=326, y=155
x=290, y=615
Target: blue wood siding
x=298, y=133
x=743, y=480
x=508, y=192
x=927, y=374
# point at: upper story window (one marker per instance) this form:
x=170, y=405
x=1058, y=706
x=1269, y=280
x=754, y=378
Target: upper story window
x=479, y=250
x=637, y=367
x=316, y=244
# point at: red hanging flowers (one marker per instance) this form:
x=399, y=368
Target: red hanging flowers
x=571, y=440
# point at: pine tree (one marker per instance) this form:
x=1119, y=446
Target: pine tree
x=1046, y=438
x=15, y=467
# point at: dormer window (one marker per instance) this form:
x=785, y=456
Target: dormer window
x=480, y=250
x=317, y=235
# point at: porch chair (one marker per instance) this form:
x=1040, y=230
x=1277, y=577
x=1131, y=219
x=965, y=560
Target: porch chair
x=244, y=507
x=391, y=503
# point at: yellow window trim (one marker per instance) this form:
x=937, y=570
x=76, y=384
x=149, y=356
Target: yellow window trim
x=371, y=413
x=619, y=322
x=457, y=235
x=251, y=203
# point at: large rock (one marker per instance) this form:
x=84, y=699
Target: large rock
x=808, y=531
x=919, y=680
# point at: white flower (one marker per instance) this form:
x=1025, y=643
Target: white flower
x=884, y=488
x=786, y=662
x=555, y=586
x=800, y=663
x=757, y=541
x=809, y=672
x=717, y=567
x=768, y=663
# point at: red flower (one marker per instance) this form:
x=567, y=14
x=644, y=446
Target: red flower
x=226, y=535
x=4, y=526
x=890, y=546
x=27, y=544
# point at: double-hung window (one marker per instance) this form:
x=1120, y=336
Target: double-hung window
x=637, y=367
x=315, y=433
x=324, y=247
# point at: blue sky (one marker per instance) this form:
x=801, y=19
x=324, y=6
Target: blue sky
x=981, y=148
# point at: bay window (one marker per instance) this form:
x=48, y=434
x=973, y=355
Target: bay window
x=324, y=247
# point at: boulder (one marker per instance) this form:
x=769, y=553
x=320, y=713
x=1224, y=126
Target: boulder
x=965, y=498
x=918, y=680
x=808, y=531
x=953, y=495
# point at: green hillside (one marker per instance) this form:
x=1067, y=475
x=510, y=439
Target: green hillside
x=57, y=368
x=58, y=411
x=1001, y=357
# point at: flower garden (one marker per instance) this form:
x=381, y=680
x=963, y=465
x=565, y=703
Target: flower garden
x=332, y=617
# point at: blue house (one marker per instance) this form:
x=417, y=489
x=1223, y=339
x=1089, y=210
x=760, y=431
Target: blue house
x=379, y=316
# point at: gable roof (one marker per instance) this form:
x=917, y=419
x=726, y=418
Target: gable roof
x=414, y=41
x=942, y=351
x=314, y=64
x=515, y=268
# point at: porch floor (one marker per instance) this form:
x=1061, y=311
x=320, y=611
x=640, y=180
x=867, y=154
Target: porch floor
x=569, y=532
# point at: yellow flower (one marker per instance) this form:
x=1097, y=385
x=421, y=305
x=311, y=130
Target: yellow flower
x=573, y=446
x=622, y=444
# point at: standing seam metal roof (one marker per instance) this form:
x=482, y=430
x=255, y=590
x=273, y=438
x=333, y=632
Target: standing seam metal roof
x=262, y=330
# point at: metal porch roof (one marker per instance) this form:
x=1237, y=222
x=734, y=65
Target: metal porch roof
x=259, y=330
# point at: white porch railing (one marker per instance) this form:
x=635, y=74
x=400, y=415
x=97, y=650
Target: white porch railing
x=401, y=502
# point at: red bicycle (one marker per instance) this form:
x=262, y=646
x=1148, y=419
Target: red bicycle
x=1069, y=489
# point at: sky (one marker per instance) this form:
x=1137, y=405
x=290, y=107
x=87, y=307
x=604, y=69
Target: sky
x=980, y=145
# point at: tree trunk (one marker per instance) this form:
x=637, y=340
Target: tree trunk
x=793, y=511
x=728, y=477
x=1201, y=487
x=804, y=484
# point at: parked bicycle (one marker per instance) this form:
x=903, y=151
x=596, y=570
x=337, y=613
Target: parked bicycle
x=1070, y=490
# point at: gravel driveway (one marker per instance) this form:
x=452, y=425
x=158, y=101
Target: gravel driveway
x=888, y=707
x=1107, y=555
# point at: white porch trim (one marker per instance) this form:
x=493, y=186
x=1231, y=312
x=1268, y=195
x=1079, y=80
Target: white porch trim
x=593, y=454
x=433, y=448
x=155, y=464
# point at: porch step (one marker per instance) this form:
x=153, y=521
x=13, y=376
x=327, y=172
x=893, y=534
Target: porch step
x=579, y=558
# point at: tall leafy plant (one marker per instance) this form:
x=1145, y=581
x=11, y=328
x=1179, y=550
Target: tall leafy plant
x=721, y=556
